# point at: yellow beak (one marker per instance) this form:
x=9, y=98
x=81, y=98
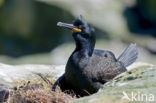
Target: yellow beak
x=76, y=30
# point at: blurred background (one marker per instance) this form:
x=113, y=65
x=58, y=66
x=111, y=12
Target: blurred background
x=29, y=35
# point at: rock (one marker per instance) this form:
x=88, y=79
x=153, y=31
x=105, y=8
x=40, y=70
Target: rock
x=21, y=33
x=10, y=74
x=4, y=93
x=147, y=9
x=108, y=12
x=107, y=15
x=139, y=80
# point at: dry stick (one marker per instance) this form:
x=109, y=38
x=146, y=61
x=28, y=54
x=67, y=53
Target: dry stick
x=44, y=78
x=86, y=92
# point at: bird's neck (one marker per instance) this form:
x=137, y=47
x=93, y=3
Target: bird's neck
x=85, y=48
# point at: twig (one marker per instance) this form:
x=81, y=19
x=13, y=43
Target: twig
x=44, y=78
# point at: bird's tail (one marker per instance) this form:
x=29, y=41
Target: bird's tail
x=129, y=55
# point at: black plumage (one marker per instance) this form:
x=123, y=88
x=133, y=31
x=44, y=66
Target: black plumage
x=87, y=68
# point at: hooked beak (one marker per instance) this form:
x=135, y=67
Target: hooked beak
x=69, y=26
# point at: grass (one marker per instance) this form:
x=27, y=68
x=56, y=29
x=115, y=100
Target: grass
x=38, y=92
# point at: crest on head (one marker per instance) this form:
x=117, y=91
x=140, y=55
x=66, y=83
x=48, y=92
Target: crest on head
x=82, y=24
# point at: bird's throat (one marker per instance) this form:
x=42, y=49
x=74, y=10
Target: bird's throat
x=85, y=49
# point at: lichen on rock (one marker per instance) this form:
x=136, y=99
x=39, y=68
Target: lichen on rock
x=140, y=79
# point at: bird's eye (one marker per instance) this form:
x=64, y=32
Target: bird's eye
x=106, y=55
x=80, y=26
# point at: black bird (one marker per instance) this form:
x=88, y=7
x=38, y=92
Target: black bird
x=87, y=68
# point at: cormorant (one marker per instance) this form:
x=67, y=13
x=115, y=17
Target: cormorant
x=87, y=68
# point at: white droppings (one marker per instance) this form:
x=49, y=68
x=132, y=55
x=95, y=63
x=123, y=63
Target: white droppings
x=10, y=73
x=151, y=68
x=138, y=64
x=92, y=100
x=2, y=74
x=121, y=84
x=7, y=79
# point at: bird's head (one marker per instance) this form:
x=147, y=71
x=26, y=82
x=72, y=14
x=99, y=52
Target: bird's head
x=83, y=34
x=81, y=30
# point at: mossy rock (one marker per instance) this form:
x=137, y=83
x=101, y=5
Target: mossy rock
x=140, y=79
